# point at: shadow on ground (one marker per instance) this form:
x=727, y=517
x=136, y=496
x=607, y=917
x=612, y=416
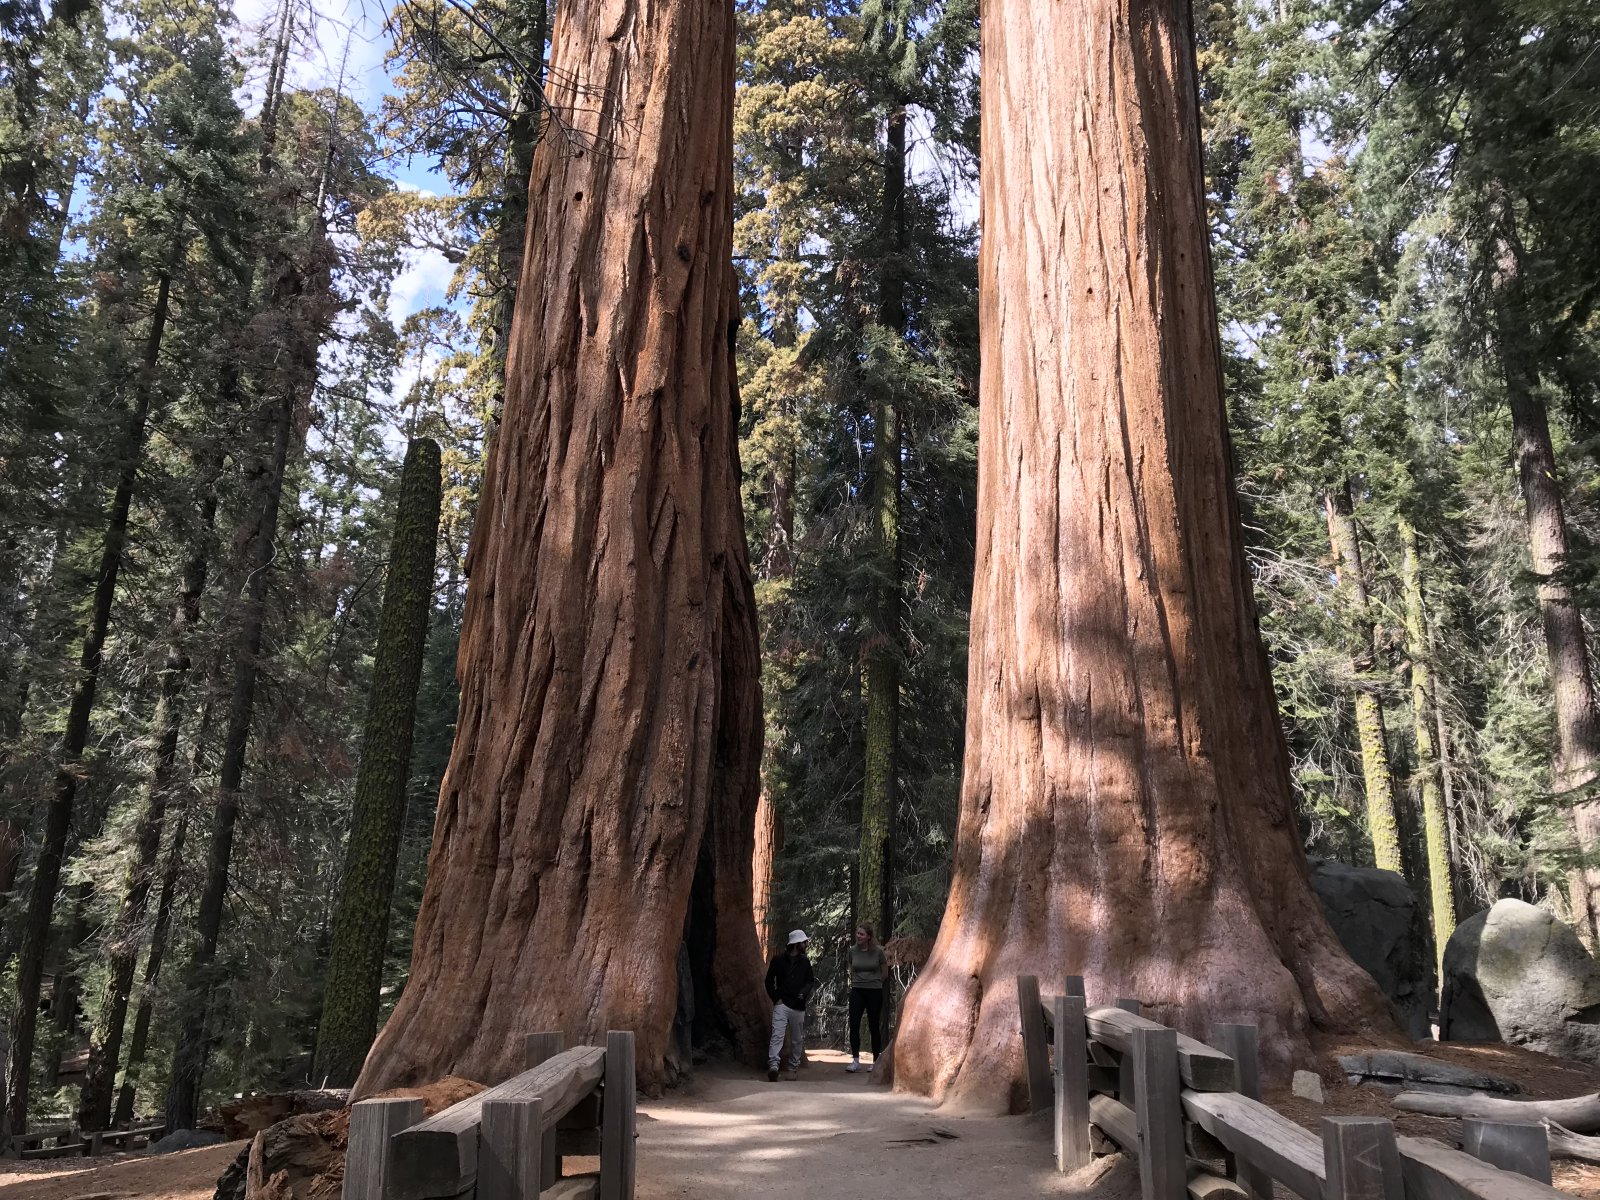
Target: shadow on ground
x=836, y=1136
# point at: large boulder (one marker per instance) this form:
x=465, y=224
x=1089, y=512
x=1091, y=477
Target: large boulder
x=1377, y=918
x=1517, y=974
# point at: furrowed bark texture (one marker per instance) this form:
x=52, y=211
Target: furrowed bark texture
x=610, y=722
x=1126, y=810
x=378, y=811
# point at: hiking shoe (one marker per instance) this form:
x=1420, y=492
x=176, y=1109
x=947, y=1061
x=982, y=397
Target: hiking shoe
x=855, y=1065
x=772, y=1074
x=791, y=1076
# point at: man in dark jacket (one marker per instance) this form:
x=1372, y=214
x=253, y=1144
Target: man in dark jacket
x=790, y=982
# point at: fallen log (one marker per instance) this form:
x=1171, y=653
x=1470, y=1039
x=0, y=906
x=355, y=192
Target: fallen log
x=1580, y=1113
x=1566, y=1144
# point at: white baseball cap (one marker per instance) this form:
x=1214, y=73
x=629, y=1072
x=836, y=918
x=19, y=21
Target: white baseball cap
x=797, y=936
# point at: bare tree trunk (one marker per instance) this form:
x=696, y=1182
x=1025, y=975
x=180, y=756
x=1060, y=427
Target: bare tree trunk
x=610, y=724
x=127, y=931
x=1126, y=810
x=75, y=738
x=1435, y=824
x=879, y=792
x=159, y=930
x=1383, y=816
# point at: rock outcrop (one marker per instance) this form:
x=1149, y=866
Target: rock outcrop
x=1385, y=930
x=1517, y=974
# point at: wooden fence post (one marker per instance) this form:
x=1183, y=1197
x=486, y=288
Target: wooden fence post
x=1239, y=1043
x=1075, y=988
x=1158, y=1105
x=366, y=1164
x=539, y=1049
x=509, y=1149
x=617, y=1150
x=1360, y=1159
x=1520, y=1146
x=1035, y=1051
x=1072, y=1082
x=1127, y=1087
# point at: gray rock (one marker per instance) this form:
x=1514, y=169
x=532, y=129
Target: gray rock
x=1382, y=926
x=1308, y=1086
x=1405, y=1071
x=1516, y=974
x=186, y=1139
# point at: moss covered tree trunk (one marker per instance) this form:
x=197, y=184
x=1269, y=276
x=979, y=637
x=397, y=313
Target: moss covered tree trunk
x=607, y=751
x=1429, y=774
x=1126, y=813
x=377, y=817
x=1383, y=814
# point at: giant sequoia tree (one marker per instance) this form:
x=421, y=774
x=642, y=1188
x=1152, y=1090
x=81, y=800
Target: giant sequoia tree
x=1126, y=809
x=606, y=756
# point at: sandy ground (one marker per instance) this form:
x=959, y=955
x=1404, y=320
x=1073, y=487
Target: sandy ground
x=836, y=1135
x=189, y=1175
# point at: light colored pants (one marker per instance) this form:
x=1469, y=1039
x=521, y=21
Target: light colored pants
x=788, y=1022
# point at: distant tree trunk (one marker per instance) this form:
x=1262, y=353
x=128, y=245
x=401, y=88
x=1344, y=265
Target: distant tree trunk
x=1571, y=679
x=1435, y=824
x=127, y=1094
x=525, y=27
x=75, y=737
x=609, y=734
x=127, y=930
x=377, y=818
x=1383, y=817
x=1126, y=811
x=769, y=843
x=297, y=293
x=879, y=793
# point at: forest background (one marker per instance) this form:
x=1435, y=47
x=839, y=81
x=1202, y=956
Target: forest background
x=249, y=256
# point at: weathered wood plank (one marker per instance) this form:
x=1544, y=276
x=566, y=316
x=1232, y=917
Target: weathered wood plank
x=1035, y=1050
x=1520, y=1146
x=1360, y=1159
x=1434, y=1171
x=1116, y=1121
x=366, y=1162
x=539, y=1049
x=1162, y=1162
x=439, y=1157
x=1581, y=1114
x=577, y=1187
x=1072, y=1084
x=1075, y=987
x=510, y=1150
x=617, y=1149
x=1202, y=1068
x=1260, y=1137
x=1239, y=1042
x=1206, y=1185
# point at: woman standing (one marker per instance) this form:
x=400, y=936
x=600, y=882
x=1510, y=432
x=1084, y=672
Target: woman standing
x=869, y=967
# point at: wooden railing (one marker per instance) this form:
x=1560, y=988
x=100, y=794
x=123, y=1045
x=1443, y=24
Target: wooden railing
x=506, y=1143
x=72, y=1142
x=1190, y=1114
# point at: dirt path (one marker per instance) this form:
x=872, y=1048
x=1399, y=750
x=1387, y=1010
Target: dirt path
x=187, y=1175
x=838, y=1136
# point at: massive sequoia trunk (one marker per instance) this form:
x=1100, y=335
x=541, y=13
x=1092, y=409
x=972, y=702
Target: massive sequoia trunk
x=610, y=725
x=1126, y=810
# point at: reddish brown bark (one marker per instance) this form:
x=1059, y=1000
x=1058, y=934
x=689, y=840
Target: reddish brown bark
x=610, y=724
x=1126, y=810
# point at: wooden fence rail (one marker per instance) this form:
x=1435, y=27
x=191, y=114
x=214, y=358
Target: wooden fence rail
x=506, y=1143
x=1191, y=1115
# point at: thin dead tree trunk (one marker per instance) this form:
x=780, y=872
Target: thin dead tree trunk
x=1126, y=810
x=609, y=735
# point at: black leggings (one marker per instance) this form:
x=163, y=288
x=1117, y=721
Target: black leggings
x=871, y=1000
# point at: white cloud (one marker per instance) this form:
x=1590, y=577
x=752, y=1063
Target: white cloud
x=423, y=278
